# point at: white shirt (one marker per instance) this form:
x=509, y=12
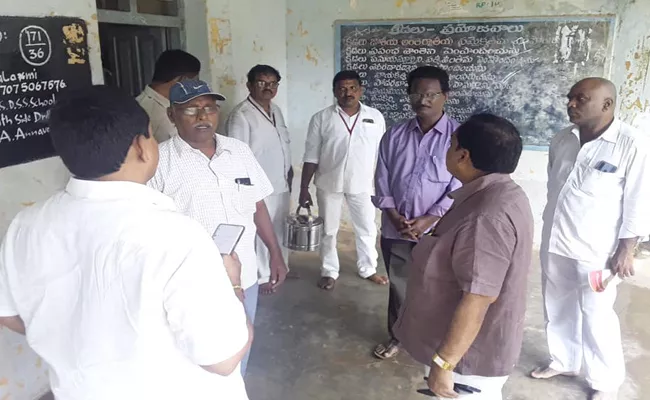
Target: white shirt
x=122, y=296
x=589, y=210
x=156, y=106
x=346, y=161
x=205, y=190
x=268, y=138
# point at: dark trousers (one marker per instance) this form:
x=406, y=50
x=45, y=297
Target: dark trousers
x=397, y=256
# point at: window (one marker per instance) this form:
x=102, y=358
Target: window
x=133, y=33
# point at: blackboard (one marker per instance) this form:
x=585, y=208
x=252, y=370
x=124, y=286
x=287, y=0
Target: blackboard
x=39, y=59
x=520, y=69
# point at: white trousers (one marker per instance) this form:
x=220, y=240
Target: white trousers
x=582, y=329
x=278, y=206
x=362, y=213
x=491, y=387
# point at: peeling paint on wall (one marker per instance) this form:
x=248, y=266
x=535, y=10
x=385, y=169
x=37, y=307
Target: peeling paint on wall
x=312, y=55
x=631, y=92
x=301, y=30
x=401, y=3
x=227, y=80
x=220, y=34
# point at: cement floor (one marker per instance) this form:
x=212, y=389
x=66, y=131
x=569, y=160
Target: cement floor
x=316, y=345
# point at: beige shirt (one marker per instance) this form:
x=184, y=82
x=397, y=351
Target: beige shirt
x=156, y=106
x=268, y=138
x=481, y=246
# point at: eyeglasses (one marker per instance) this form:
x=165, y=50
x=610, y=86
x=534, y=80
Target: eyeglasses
x=265, y=84
x=194, y=111
x=424, y=96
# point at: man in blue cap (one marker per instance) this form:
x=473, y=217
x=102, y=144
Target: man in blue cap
x=217, y=180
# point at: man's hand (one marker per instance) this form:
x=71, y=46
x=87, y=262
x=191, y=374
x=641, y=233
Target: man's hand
x=441, y=383
x=622, y=262
x=398, y=220
x=233, y=268
x=305, y=198
x=278, y=271
x=417, y=226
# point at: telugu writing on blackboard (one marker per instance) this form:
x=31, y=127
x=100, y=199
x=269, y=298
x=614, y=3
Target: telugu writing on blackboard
x=519, y=69
x=39, y=59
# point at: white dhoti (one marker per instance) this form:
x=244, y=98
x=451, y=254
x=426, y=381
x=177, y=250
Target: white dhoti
x=278, y=206
x=362, y=214
x=491, y=387
x=582, y=329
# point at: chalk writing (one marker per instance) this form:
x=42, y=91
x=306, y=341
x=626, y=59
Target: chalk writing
x=35, y=45
x=504, y=67
x=40, y=58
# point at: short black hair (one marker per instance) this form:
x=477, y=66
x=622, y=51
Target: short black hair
x=494, y=143
x=429, y=72
x=346, y=75
x=174, y=63
x=93, y=128
x=262, y=69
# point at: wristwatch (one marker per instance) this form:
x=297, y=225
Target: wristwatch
x=439, y=361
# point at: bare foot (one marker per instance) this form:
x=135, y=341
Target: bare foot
x=378, y=279
x=326, y=283
x=266, y=288
x=548, y=373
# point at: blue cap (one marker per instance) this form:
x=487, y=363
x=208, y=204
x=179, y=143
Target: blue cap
x=188, y=90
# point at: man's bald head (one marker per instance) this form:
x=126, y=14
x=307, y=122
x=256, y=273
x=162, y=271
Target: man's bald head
x=591, y=100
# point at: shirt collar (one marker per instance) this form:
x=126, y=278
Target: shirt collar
x=439, y=126
x=260, y=107
x=610, y=134
x=183, y=147
x=118, y=190
x=339, y=110
x=468, y=189
x=158, y=98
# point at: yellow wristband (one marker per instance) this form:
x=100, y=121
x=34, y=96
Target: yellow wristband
x=439, y=361
x=237, y=287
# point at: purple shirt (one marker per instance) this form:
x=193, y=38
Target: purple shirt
x=411, y=174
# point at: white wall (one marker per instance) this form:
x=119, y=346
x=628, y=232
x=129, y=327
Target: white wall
x=22, y=373
x=311, y=61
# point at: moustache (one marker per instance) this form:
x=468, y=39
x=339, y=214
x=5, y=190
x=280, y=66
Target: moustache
x=202, y=125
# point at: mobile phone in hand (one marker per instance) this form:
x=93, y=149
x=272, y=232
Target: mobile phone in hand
x=226, y=237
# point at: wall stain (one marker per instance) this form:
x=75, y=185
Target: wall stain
x=217, y=38
x=93, y=17
x=256, y=48
x=227, y=80
x=401, y=3
x=6, y=396
x=302, y=31
x=289, y=11
x=311, y=55
x=19, y=349
x=28, y=203
x=353, y=4
x=632, y=90
x=39, y=362
x=21, y=385
x=4, y=381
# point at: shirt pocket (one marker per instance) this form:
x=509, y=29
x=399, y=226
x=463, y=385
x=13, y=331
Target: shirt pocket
x=597, y=183
x=436, y=171
x=244, y=200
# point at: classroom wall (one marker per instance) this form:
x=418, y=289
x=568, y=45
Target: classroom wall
x=311, y=64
